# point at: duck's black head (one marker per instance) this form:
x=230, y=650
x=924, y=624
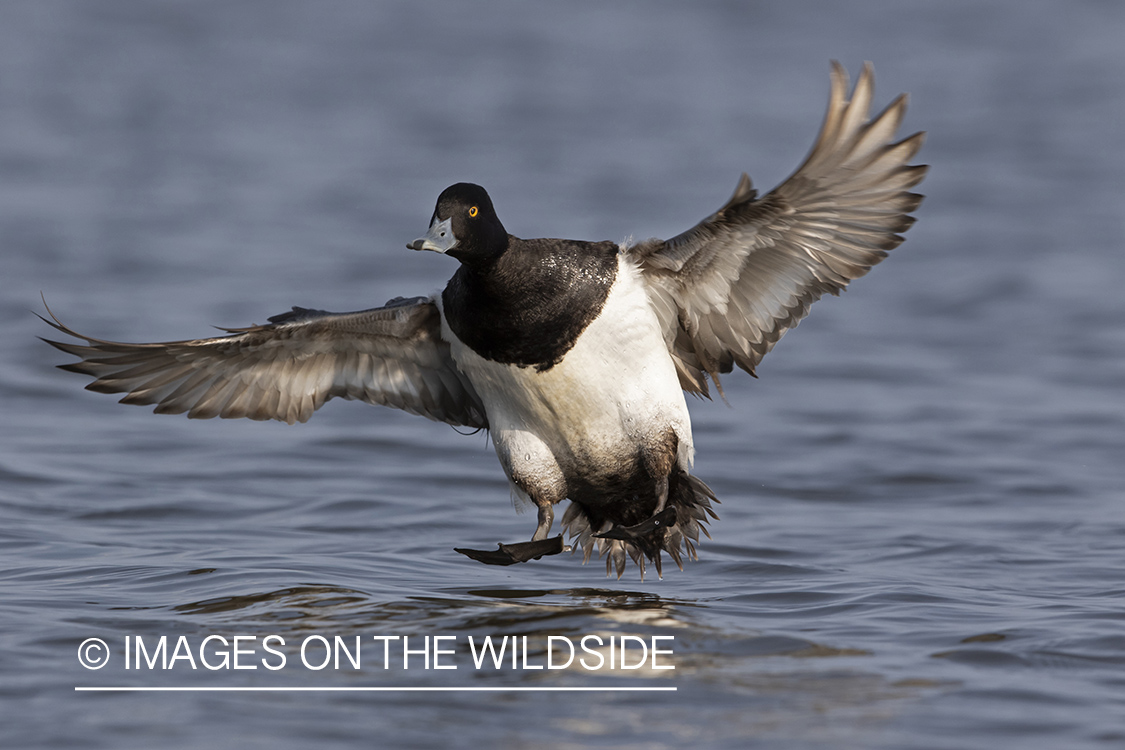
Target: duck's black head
x=464, y=225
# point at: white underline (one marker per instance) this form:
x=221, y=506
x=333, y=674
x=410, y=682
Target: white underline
x=134, y=689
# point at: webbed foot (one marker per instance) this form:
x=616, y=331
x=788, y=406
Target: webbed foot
x=510, y=554
x=664, y=518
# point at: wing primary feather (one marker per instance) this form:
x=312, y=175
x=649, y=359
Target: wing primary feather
x=288, y=368
x=729, y=288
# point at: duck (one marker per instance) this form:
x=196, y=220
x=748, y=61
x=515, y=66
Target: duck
x=576, y=357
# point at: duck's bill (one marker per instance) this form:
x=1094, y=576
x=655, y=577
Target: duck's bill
x=440, y=238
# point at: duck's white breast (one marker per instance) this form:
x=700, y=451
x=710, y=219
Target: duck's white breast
x=614, y=389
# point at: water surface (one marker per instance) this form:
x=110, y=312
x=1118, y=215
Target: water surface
x=922, y=535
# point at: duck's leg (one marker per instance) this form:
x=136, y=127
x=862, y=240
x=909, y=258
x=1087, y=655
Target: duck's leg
x=661, y=494
x=546, y=520
x=540, y=545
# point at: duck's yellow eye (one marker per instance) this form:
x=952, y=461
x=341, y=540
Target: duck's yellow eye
x=473, y=212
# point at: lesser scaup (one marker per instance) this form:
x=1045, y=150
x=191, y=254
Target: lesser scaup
x=575, y=356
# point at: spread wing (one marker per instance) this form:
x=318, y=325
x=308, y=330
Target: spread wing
x=287, y=369
x=730, y=287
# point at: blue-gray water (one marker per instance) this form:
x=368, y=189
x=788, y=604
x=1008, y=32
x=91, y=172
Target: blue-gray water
x=922, y=541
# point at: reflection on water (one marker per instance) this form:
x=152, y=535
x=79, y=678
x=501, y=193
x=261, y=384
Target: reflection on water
x=582, y=636
x=502, y=611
